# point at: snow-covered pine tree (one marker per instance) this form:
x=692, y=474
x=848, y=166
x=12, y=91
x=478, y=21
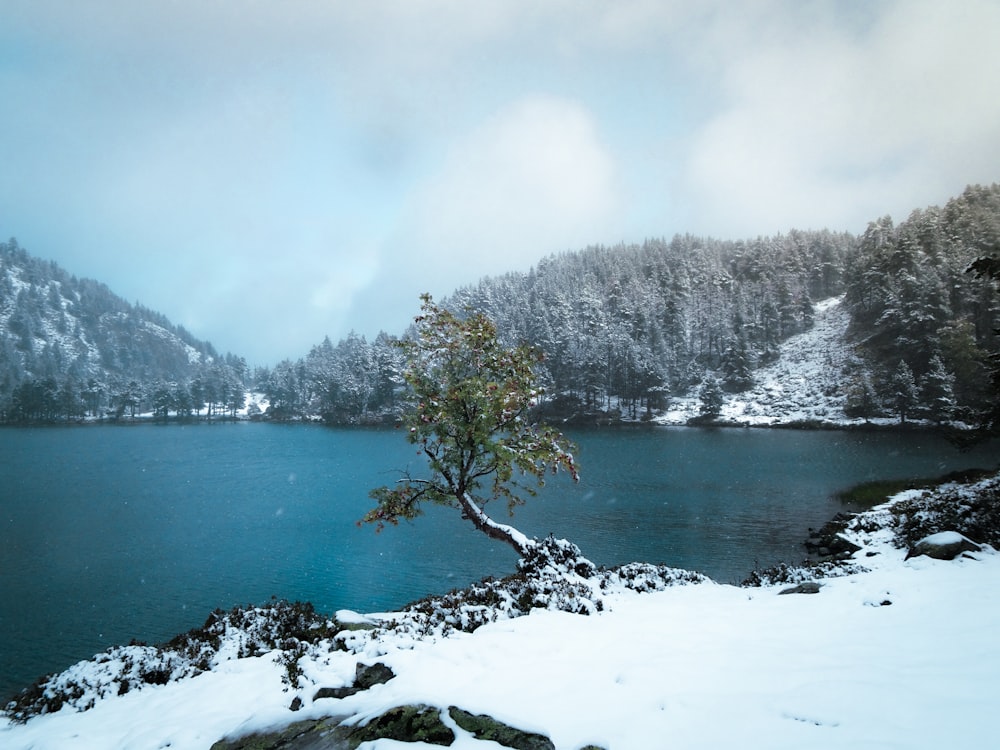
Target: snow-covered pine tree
x=938, y=390
x=904, y=390
x=711, y=397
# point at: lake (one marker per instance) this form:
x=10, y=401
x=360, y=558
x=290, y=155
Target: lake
x=113, y=533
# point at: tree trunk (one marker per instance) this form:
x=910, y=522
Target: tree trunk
x=491, y=528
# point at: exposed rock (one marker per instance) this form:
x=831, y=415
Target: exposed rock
x=367, y=675
x=485, y=727
x=806, y=587
x=945, y=545
x=312, y=734
x=828, y=543
x=406, y=724
x=337, y=692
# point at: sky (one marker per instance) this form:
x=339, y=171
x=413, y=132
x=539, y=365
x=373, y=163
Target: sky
x=269, y=173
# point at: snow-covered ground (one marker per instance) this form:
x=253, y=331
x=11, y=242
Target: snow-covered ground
x=805, y=383
x=900, y=655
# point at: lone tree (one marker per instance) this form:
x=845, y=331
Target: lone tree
x=469, y=417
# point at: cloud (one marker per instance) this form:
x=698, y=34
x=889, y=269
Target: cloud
x=532, y=179
x=837, y=122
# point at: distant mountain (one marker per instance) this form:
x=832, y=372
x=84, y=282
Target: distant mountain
x=71, y=348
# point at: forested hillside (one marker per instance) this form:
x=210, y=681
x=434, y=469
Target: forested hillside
x=633, y=324
x=70, y=348
x=923, y=322
x=625, y=330
x=627, y=325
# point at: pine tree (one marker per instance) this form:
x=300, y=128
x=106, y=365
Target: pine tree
x=862, y=399
x=711, y=397
x=737, y=368
x=938, y=389
x=904, y=390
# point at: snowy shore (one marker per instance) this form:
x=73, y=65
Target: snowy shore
x=889, y=653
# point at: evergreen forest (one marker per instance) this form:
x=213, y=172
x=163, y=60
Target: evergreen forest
x=624, y=330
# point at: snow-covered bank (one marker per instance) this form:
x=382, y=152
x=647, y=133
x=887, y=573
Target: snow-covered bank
x=900, y=654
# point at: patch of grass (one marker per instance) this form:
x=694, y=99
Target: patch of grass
x=869, y=494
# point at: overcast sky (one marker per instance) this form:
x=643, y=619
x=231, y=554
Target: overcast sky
x=268, y=173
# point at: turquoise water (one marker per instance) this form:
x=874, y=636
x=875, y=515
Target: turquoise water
x=114, y=533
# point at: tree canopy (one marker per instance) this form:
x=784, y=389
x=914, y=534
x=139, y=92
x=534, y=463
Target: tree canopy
x=470, y=416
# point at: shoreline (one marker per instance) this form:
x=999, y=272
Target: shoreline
x=779, y=674
x=823, y=537
x=583, y=422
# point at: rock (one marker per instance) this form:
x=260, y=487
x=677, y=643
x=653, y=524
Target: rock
x=312, y=734
x=349, y=620
x=406, y=724
x=414, y=723
x=296, y=704
x=827, y=542
x=945, y=545
x=834, y=546
x=367, y=675
x=806, y=587
x=485, y=727
x=337, y=692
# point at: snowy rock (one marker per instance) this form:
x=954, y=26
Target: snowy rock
x=410, y=723
x=945, y=545
x=372, y=674
x=405, y=724
x=337, y=693
x=351, y=620
x=828, y=542
x=415, y=723
x=484, y=727
x=315, y=733
x=806, y=587
x=365, y=677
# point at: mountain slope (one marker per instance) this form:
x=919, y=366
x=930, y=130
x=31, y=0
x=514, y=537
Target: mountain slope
x=70, y=347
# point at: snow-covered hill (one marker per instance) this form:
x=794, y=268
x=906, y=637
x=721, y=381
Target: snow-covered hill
x=893, y=653
x=804, y=385
x=55, y=325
